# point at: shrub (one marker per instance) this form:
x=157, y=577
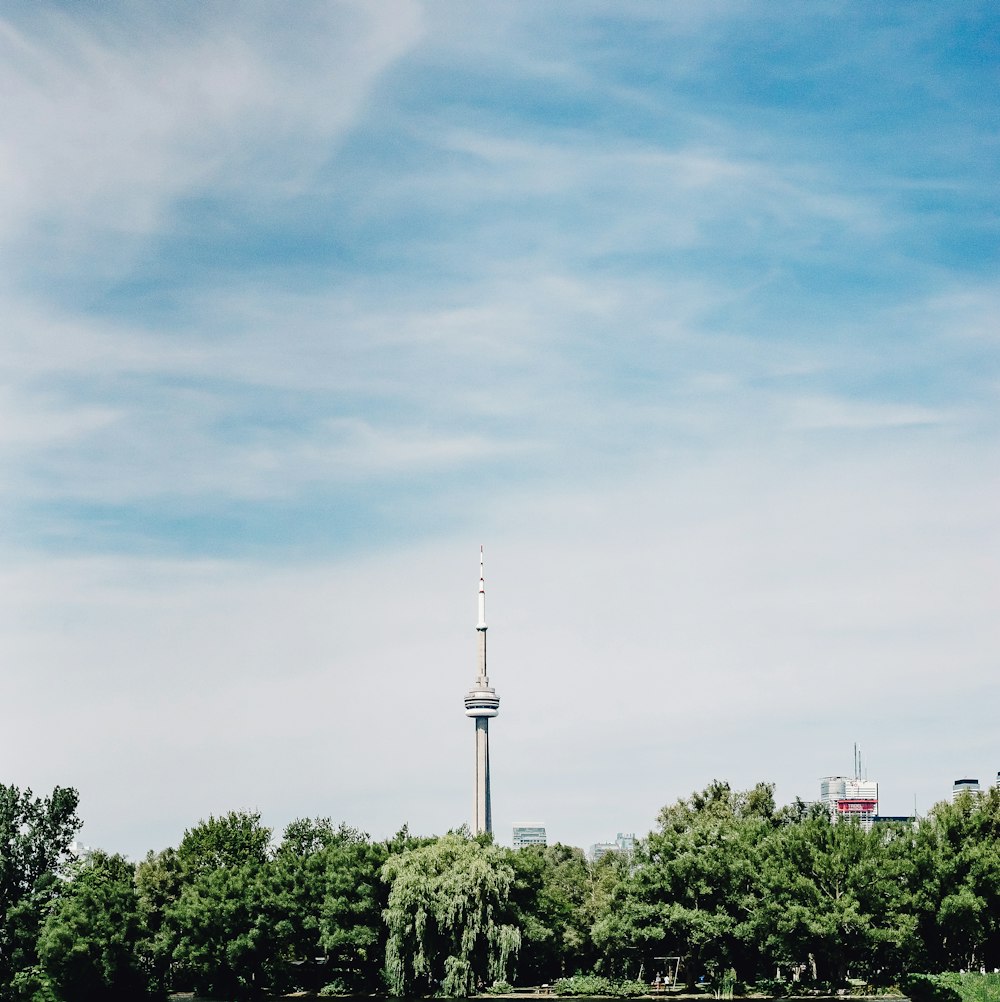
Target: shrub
x=629, y=989
x=928, y=988
x=972, y=986
x=582, y=984
x=772, y=987
x=335, y=987
x=594, y=984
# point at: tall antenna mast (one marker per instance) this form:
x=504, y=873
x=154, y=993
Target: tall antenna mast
x=481, y=703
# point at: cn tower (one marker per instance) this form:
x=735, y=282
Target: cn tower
x=482, y=703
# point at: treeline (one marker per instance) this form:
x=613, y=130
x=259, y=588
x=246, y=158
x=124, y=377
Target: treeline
x=740, y=889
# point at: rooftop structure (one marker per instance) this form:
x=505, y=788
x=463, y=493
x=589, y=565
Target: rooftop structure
x=529, y=833
x=961, y=786
x=850, y=797
x=847, y=797
x=624, y=842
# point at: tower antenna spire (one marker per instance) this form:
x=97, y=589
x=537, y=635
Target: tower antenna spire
x=481, y=625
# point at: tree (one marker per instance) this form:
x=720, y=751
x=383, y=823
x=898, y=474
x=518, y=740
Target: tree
x=837, y=896
x=158, y=885
x=35, y=839
x=611, y=940
x=235, y=839
x=694, y=883
x=221, y=924
x=448, y=916
x=958, y=885
x=87, y=945
x=550, y=897
x=329, y=899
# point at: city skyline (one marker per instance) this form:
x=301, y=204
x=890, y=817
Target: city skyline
x=686, y=311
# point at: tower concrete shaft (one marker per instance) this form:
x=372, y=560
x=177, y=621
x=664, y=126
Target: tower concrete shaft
x=481, y=703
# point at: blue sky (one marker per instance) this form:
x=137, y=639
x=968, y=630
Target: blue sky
x=688, y=315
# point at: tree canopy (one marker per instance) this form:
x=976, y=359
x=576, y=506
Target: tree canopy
x=449, y=917
x=36, y=834
x=738, y=888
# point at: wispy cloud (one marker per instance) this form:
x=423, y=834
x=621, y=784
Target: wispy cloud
x=108, y=121
x=830, y=413
x=687, y=311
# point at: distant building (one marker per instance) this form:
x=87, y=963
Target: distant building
x=529, y=833
x=80, y=851
x=599, y=849
x=961, y=786
x=846, y=797
x=624, y=842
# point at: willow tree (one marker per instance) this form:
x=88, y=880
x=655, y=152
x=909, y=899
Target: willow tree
x=448, y=917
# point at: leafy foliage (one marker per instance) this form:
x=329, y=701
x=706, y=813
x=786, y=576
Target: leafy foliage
x=328, y=898
x=971, y=986
x=741, y=891
x=595, y=985
x=957, y=887
x=87, y=947
x=35, y=839
x=695, y=883
x=446, y=913
x=928, y=988
x=552, y=899
x=838, y=895
x=219, y=924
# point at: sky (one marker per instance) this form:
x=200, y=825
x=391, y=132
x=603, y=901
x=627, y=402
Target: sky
x=687, y=313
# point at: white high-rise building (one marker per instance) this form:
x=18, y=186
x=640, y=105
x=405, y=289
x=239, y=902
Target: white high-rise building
x=624, y=842
x=529, y=833
x=481, y=703
x=850, y=797
x=961, y=786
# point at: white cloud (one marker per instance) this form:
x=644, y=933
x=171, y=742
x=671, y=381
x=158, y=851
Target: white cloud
x=28, y=422
x=688, y=622
x=738, y=505
x=830, y=413
x=102, y=129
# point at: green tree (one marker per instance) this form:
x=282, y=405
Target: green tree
x=158, y=880
x=35, y=839
x=87, y=945
x=221, y=924
x=838, y=898
x=449, y=917
x=610, y=941
x=693, y=884
x=329, y=898
x=235, y=839
x=551, y=894
x=958, y=885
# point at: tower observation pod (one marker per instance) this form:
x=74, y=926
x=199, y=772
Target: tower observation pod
x=481, y=703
